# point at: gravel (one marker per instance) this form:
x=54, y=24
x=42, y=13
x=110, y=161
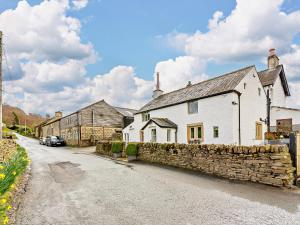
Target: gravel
x=73, y=186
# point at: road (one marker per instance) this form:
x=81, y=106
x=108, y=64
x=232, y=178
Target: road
x=75, y=187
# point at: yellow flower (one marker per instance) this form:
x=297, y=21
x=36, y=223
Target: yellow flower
x=14, y=173
x=12, y=186
x=3, y=201
x=2, y=176
x=1, y=167
x=6, y=220
x=8, y=207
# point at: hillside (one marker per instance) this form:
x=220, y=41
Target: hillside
x=31, y=119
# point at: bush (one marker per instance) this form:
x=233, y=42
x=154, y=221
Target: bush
x=132, y=149
x=116, y=147
x=9, y=171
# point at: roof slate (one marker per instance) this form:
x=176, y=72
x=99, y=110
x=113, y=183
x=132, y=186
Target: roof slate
x=126, y=112
x=162, y=122
x=268, y=77
x=211, y=87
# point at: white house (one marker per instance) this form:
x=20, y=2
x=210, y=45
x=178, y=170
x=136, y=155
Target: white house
x=229, y=109
x=276, y=87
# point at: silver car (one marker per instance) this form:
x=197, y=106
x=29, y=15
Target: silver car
x=42, y=141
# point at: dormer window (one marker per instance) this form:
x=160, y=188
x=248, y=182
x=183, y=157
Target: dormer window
x=193, y=107
x=145, y=116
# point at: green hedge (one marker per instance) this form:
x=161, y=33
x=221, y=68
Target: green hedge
x=132, y=149
x=9, y=172
x=116, y=147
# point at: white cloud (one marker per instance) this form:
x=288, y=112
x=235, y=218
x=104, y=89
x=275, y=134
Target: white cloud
x=176, y=73
x=119, y=87
x=291, y=61
x=79, y=4
x=43, y=32
x=248, y=32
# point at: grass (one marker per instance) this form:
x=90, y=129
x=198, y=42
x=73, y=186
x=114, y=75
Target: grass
x=9, y=172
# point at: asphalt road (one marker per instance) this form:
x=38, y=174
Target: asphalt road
x=76, y=187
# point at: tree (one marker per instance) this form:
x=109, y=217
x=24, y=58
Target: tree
x=16, y=119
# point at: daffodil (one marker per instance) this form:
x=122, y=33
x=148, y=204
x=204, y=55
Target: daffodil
x=3, y=201
x=8, y=207
x=12, y=186
x=2, y=176
x=6, y=220
x=14, y=173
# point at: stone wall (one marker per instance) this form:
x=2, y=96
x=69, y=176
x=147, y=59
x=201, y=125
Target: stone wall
x=8, y=148
x=104, y=148
x=263, y=164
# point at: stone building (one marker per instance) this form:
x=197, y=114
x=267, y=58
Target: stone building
x=98, y=121
x=50, y=127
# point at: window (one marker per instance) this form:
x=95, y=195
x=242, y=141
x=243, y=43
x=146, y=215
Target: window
x=195, y=133
x=153, y=135
x=245, y=85
x=141, y=136
x=216, y=132
x=193, y=107
x=168, y=135
x=259, y=91
x=258, y=131
x=192, y=132
x=145, y=117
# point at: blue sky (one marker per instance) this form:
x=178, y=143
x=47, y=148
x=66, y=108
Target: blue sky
x=190, y=40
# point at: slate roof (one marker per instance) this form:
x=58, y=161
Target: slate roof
x=208, y=88
x=126, y=112
x=268, y=77
x=161, y=122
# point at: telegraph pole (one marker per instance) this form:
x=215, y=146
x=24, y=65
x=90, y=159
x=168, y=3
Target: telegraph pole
x=1, y=88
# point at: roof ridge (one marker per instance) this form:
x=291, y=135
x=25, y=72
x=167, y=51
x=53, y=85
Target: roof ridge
x=213, y=78
x=124, y=108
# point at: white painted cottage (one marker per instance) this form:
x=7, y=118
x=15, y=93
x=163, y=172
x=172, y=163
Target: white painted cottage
x=229, y=109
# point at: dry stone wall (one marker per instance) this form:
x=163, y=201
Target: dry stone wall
x=104, y=148
x=8, y=148
x=263, y=164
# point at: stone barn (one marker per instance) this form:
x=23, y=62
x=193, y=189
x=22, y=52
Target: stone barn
x=96, y=122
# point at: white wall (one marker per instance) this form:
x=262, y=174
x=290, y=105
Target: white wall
x=161, y=134
x=214, y=111
x=286, y=113
x=277, y=94
x=253, y=107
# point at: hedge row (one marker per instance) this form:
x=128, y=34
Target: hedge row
x=117, y=147
x=9, y=173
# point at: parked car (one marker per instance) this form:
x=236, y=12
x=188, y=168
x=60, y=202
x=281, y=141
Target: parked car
x=42, y=141
x=55, y=141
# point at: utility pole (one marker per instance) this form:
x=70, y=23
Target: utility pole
x=1, y=88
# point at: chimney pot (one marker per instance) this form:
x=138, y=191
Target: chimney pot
x=273, y=60
x=157, y=92
x=272, y=51
x=58, y=114
x=189, y=83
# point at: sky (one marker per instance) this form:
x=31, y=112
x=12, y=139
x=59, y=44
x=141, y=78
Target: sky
x=66, y=54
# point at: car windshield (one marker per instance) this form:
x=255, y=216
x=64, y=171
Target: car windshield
x=54, y=138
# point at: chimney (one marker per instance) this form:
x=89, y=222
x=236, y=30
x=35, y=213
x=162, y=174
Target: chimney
x=58, y=114
x=157, y=92
x=273, y=60
x=189, y=84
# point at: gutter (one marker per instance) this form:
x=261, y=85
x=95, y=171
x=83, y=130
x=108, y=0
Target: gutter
x=239, y=103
